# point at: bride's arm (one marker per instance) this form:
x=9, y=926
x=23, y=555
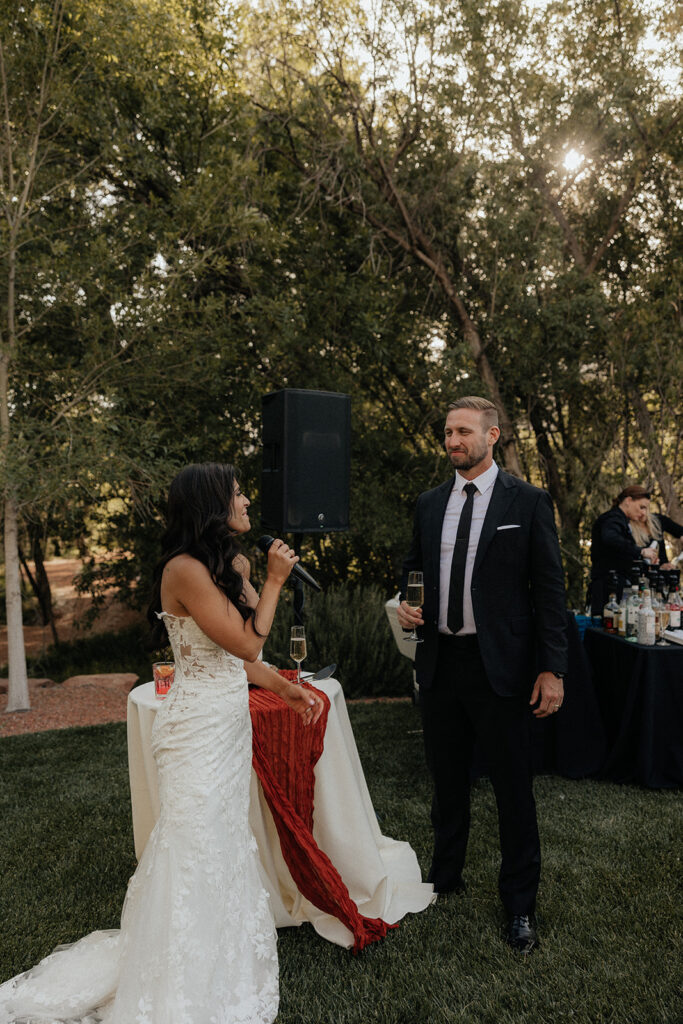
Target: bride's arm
x=187, y=589
x=307, y=704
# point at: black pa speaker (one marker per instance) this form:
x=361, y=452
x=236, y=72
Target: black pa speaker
x=306, y=461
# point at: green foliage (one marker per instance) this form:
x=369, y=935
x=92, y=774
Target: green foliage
x=126, y=651
x=228, y=203
x=608, y=909
x=348, y=626
x=464, y=184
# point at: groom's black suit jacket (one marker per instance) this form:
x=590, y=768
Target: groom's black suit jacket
x=517, y=585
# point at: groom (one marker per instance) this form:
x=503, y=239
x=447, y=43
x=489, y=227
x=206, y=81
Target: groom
x=494, y=648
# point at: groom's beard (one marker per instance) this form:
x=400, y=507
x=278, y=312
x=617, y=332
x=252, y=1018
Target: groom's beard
x=467, y=460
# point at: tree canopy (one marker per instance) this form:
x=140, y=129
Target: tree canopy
x=401, y=200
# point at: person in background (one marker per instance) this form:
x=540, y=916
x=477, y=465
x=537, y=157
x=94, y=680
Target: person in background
x=650, y=533
x=619, y=537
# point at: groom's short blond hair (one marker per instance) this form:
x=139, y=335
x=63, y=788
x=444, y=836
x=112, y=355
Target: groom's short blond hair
x=482, y=405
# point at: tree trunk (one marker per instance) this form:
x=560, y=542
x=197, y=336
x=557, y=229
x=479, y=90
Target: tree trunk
x=569, y=510
x=19, y=163
x=17, y=686
x=44, y=592
x=17, y=690
x=664, y=478
x=418, y=244
x=40, y=582
x=420, y=248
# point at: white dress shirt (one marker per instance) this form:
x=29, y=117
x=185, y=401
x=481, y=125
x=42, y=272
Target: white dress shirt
x=484, y=484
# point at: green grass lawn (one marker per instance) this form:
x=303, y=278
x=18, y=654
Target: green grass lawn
x=609, y=911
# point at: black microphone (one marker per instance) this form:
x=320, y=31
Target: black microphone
x=298, y=570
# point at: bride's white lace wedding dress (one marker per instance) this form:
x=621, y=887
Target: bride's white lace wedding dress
x=197, y=943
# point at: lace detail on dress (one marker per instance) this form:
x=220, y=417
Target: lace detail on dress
x=197, y=943
x=197, y=657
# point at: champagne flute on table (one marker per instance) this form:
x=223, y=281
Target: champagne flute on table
x=297, y=649
x=415, y=595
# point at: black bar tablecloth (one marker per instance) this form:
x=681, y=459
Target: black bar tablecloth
x=640, y=695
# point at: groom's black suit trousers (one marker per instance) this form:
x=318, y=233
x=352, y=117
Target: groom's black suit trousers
x=458, y=709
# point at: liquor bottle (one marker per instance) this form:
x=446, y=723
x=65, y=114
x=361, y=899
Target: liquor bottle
x=643, y=585
x=675, y=608
x=646, y=622
x=633, y=603
x=642, y=575
x=633, y=607
x=610, y=613
x=622, y=613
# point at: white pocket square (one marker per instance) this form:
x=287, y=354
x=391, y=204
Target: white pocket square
x=510, y=526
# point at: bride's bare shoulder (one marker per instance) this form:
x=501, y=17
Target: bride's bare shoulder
x=184, y=566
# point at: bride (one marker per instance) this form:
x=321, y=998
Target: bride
x=197, y=938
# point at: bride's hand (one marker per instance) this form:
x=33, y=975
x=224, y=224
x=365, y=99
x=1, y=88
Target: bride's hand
x=281, y=561
x=302, y=700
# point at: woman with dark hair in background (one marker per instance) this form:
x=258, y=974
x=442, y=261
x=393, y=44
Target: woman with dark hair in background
x=197, y=938
x=614, y=547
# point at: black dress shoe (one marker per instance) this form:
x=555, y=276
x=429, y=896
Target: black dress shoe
x=520, y=933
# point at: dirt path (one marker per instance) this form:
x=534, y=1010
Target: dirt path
x=70, y=609
x=80, y=700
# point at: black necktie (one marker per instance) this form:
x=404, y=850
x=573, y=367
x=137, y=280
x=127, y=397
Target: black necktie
x=457, y=584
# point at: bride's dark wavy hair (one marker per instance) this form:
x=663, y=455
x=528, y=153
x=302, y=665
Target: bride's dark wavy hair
x=200, y=501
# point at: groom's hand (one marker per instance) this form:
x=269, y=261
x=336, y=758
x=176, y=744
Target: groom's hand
x=548, y=693
x=409, y=617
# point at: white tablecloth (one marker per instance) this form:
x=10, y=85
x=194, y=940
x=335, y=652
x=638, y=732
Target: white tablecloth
x=407, y=647
x=381, y=874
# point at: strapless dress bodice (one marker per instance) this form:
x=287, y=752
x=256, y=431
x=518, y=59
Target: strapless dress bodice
x=200, y=664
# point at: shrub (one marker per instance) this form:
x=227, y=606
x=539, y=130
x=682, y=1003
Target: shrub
x=347, y=625
x=126, y=651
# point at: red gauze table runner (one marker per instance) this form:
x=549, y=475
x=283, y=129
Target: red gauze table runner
x=284, y=754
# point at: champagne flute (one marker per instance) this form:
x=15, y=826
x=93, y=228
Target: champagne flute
x=297, y=649
x=664, y=585
x=415, y=595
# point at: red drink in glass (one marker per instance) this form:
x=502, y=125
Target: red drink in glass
x=163, y=677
